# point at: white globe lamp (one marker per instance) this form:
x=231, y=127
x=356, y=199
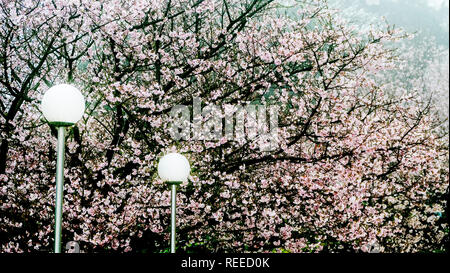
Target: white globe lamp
x=63, y=105
x=174, y=167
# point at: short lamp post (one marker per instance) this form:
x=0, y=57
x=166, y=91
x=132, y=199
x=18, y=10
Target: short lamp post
x=174, y=169
x=62, y=105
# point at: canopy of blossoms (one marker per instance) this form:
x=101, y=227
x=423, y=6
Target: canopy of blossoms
x=354, y=165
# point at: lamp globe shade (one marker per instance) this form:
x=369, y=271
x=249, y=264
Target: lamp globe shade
x=174, y=167
x=63, y=104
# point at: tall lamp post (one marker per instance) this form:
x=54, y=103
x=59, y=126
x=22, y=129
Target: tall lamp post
x=62, y=105
x=174, y=169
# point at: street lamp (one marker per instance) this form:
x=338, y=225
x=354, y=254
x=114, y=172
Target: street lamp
x=174, y=169
x=62, y=105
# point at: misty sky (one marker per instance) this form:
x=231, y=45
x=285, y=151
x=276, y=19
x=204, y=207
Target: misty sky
x=429, y=17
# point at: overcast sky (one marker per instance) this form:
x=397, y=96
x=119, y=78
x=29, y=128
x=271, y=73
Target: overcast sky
x=429, y=17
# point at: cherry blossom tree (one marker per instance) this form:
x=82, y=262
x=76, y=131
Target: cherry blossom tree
x=354, y=165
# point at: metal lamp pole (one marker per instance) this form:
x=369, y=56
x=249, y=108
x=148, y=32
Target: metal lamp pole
x=59, y=185
x=173, y=224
